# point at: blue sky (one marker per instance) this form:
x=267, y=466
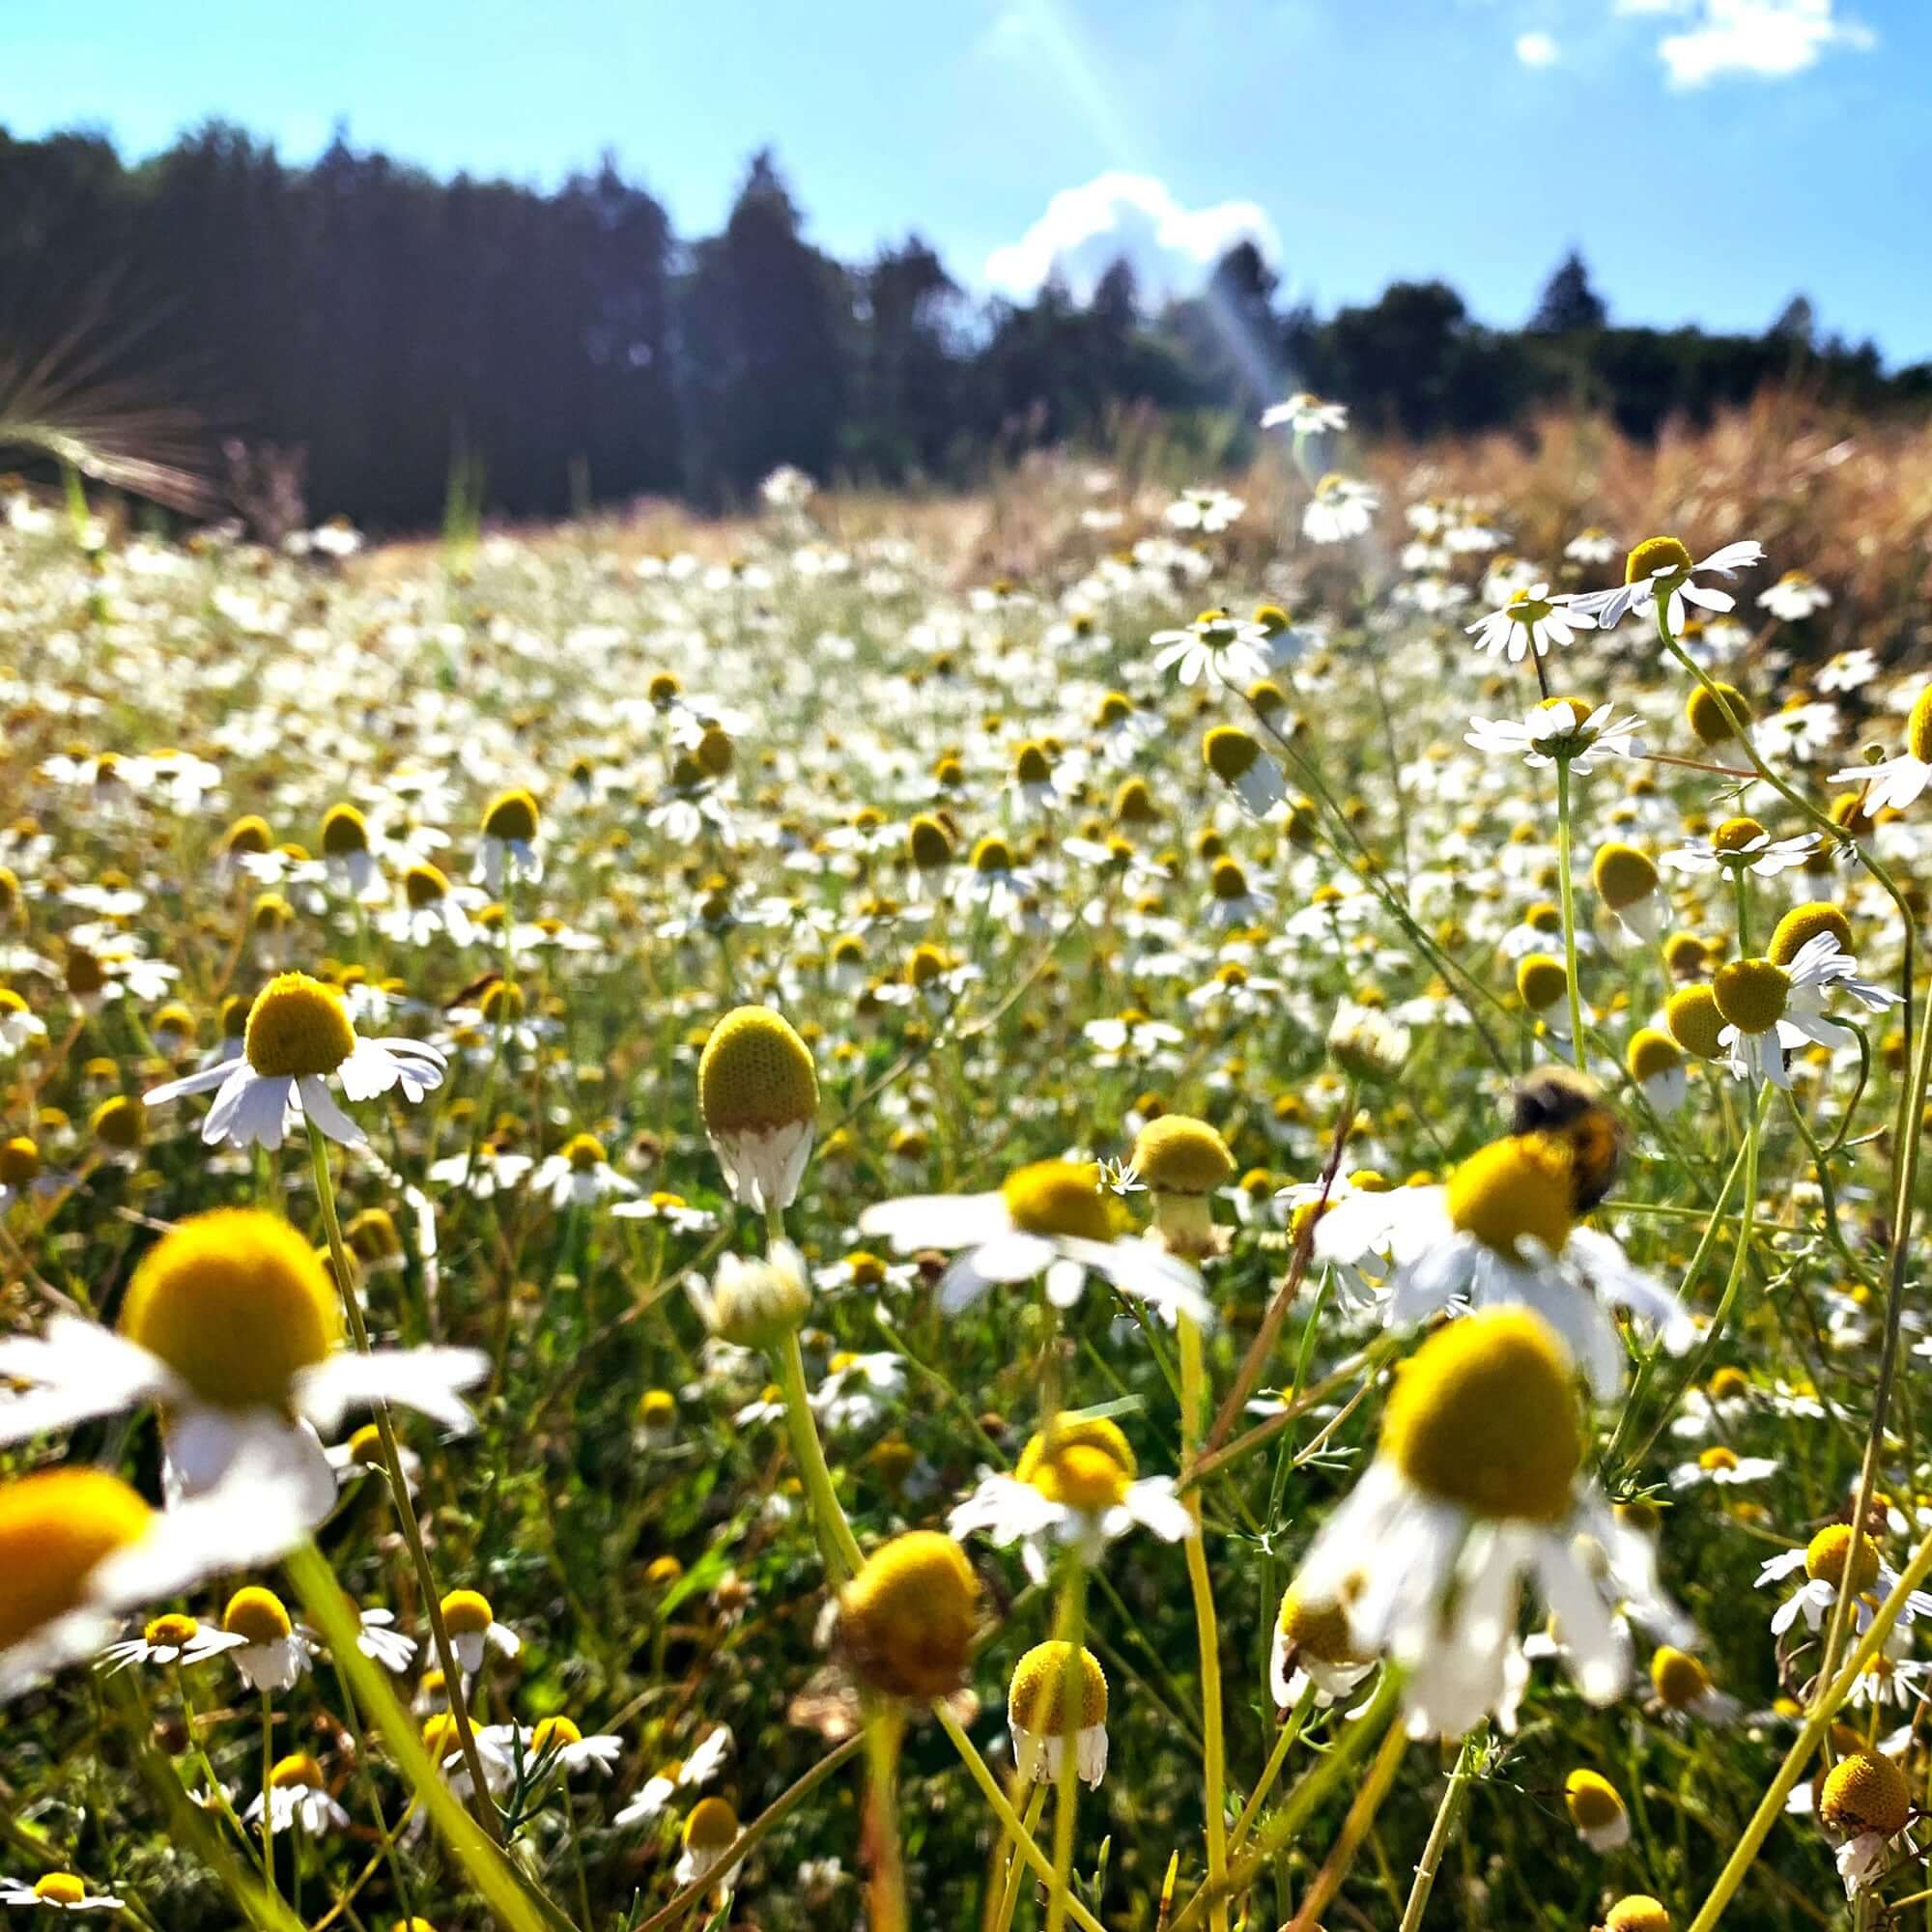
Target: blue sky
x=1711, y=157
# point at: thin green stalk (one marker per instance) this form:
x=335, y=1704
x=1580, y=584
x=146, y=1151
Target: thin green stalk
x=1447, y=1814
x=1285, y=1736
x=1567, y=891
x=836, y=1541
x=399, y=1491
x=886, y=1904
x=1193, y=1394
x=1071, y=1628
x=1010, y=1892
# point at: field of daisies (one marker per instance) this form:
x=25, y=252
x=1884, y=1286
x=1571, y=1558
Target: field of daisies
x=1140, y=1206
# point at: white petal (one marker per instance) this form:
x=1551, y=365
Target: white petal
x=426, y=1379
x=937, y=1220
x=80, y=1370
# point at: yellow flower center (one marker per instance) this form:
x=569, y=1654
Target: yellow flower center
x=1038, y=1699
x=1677, y=1677
x=466, y=1613
x=1227, y=750
x=1522, y=1184
x=60, y=1888
x=236, y=1302
x=1804, y=924
x=584, y=1153
x=1621, y=876
x=553, y=1734
x=1695, y=1021
x=1728, y=1384
x=1717, y=1457
x=929, y=843
x=907, y=1619
x=1318, y=1631
x=425, y=885
x=298, y=1771
x=1919, y=727
x=171, y=1628
x=1636, y=1912
x=439, y=1736
x=1178, y=1154
x=296, y=1027
x=511, y=817
x=1652, y=1054
x=1228, y=881
x=1542, y=981
x=20, y=1161
x=247, y=834
x=344, y=831
x=1751, y=994
x=1591, y=1800
x=657, y=1407
x=1830, y=1552
x=257, y=1615
x=711, y=1826
x=1655, y=553
x=1483, y=1415
x=1864, y=1792
x=55, y=1527
x=1033, y=766
x=992, y=855
x=1709, y=712
x=1058, y=1197
x=756, y=1074
x=1735, y=834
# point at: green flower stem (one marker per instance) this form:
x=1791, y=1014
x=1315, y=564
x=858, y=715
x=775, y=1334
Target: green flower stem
x=841, y=1547
x=886, y=1904
x=1213, y=1743
x=1070, y=1626
x=267, y=1766
x=1578, y=1049
x=1447, y=1815
x=1284, y=1737
x=1010, y=1891
x=990, y=1789
x=1355, y=1829
x=399, y=1491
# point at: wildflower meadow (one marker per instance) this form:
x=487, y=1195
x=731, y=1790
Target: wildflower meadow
x=1141, y=1202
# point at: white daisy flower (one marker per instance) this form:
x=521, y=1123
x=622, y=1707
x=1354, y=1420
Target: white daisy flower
x=710, y=1831
x=1304, y=414
x=577, y=1175
x=1049, y=1218
x=299, y=1035
x=1743, y=845
x=58, y=1891
x=1080, y=1490
x=1342, y=507
x=1559, y=727
x=1824, y=1562
x=1771, y=1009
x=1208, y=510
x=1218, y=647
x=699, y=1768
x=170, y=1638
x=1057, y=1696
x=272, y=1651
x=1896, y=782
x=298, y=1800
x=1794, y=597
x=474, y=1629
x=1725, y=1467
x=1661, y=567
x=1532, y=620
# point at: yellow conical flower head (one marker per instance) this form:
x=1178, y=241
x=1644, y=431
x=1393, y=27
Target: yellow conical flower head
x=1522, y=1185
x=345, y=832
x=1621, y=876
x=1542, y=981
x=55, y=1527
x=1919, y=727
x=1751, y=994
x=1036, y=1700
x=1801, y=925
x=1695, y=1021
x=439, y=1736
x=1655, y=553
x=1681, y=1682
x=553, y=1734
x=234, y=1302
x=711, y=1826
x=1087, y=1464
x=20, y=1161
x=1638, y=1912
x=1318, y=1631
x=60, y=1888
x=1652, y=1054
x=1178, y=1154
x=929, y=843
x=1830, y=1552
x=257, y=1615
x=170, y=1627
x=247, y=837
x=425, y=885
x=756, y=1074
x=1058, y=1197
x=512, y=816
x=1864, y=1792
x=907, y=1620
x=298, y=1026
x=1591, y=1800
x=412, y=1926
x=466, y=1613
x=1710, y=712
x=120, y=1122
x=1483, y=1415
x=297, y=1770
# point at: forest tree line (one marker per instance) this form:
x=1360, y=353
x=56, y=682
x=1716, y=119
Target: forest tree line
x=567, y=347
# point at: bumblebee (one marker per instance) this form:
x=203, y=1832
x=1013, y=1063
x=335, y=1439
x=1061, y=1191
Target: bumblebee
x=1570, y=1105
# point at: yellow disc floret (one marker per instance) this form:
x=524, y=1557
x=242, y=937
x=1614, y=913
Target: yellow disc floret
x=236, y=1303
x=1751, y=994
x=298, y=1027
x=1591, y=1800
x=1695, y=1021
x=1520, y=1185
x=1653, y=555
x=1178, y=1154
x=1804, y=924
x=511, y=817
x=1058, y=1197
x=1681, y=1682
x=906, y=1621
x=1038, y=1699
x=1864, y=1792
x=711, y=1826
x=1621, y=876
x=1318, y=1631
x=466, y=1613
x=60, y=1888
x=1227, y=750
x=1637, y=1912
x=55, y=1527
x=756, y=1074
x=1828, y=1554
x=1710, y=712
x=1652, y=1054
x=257, y=1615
x=1542, y=981
x=1483, y=1415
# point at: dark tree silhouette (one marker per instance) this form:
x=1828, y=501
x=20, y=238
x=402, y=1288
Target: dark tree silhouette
x=1569, y=303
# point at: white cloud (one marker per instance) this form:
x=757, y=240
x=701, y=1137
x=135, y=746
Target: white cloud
x=1536, y=50
x=1771, y=39
x=1085, y=228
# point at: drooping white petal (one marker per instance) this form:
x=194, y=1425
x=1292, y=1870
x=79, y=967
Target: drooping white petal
x=80, y=1370
x=937, y=1220
x=426, y=1379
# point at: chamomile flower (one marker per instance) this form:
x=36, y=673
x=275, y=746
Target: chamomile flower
x=710, y=1831
x=1050, y=1218
x=298, y=1800
x=1769, y=1008
x=431, y=908
x=232, y=1326
x=1077, y=1486
x=757, y=1090
x=494, y=1171
x=685, y=1774
x=1725, y=1467
x=558, y=1743
x=1313, y=1647
x=1825, y=1562
x=1596, y=1809
x=271, y=1651
x=578, y=1175
x=474, y=1629
x=1057, y=1698
x=1222, y=648
x=1305, y=414
x=1206, y=510
x=1683, y=1688
x=1342, y=507
x=1558, y=728
x=508, y=850
x=58, y=1891
x=1532, y=620
x=298, y=1037
x=1743, y=845
x=1504, y=1231
x=1794, y=597
x=20, y=1026
x=1661, y=567
x=170, y=1638
x=1478, y=1481
x=1865, y=1807
x=1896, y=782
